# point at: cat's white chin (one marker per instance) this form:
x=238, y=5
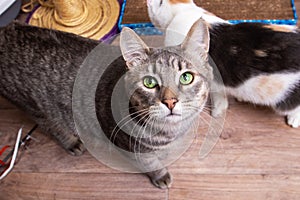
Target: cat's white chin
x=173, y=118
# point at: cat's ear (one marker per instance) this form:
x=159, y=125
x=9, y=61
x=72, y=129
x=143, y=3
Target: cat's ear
x=134, y=50
x=197, y=39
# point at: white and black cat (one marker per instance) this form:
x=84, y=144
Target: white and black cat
x=258, y=63
x=38, y=69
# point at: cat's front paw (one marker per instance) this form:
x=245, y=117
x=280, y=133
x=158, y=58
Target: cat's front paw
x=164, y=182
x=161, y=178
x=218, y=112
x=294, y=120
x=77, y=148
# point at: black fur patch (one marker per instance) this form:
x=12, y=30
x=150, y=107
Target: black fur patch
x=248, y=49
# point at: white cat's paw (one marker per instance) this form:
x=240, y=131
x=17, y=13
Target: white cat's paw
x=219, y=108
x=217, y=112
x=294, y=120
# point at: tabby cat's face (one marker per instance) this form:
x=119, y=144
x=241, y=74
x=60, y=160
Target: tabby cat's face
x=167, y=88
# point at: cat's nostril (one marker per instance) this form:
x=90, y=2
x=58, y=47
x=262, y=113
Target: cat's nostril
x=170, y=103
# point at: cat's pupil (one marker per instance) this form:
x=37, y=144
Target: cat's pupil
x=186, y=78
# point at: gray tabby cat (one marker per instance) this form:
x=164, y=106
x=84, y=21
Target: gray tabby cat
x=39, y=66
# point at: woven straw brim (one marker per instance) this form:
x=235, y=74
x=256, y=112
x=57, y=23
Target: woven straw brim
x=97, y=18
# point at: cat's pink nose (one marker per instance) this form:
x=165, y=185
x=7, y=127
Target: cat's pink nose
x=170, y=103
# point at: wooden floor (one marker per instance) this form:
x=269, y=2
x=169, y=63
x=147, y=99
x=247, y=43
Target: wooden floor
x=259, y=158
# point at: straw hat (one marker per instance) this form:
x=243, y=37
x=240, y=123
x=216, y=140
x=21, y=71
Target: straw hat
x=88, y=18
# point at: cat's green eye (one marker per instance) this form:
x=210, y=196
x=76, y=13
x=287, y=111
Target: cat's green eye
x=186, y=78
x=150, y=82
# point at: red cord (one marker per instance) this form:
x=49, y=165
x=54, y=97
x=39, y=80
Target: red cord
x=2, y=163
x=4, y=149
x=1, y=152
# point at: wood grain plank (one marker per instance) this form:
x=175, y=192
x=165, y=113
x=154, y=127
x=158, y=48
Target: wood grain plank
x=78, y=186
x=235, y=187
x=264, y=161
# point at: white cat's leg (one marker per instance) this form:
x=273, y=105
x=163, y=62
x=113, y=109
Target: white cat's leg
x=220, y=105
x=219, y=100
x=293, y=118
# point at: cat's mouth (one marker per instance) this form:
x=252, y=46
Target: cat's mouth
x=173, y=118
x=173, y=115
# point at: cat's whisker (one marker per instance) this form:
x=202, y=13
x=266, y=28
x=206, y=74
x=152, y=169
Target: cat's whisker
x=204, y=120
x=215, y=119
x=138, y=132
x=151, y=132
x=152, y=124
x=129, y=107
x=208, y=115
x=142, y=135
x=150, y=137
x=123, y=120
x=196, y=125
x=203, y=110
x=129, y=119
x=139, y=139
x=133, y=129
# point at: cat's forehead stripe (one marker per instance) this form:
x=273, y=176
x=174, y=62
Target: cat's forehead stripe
x=175, y=63
x=179, y=1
